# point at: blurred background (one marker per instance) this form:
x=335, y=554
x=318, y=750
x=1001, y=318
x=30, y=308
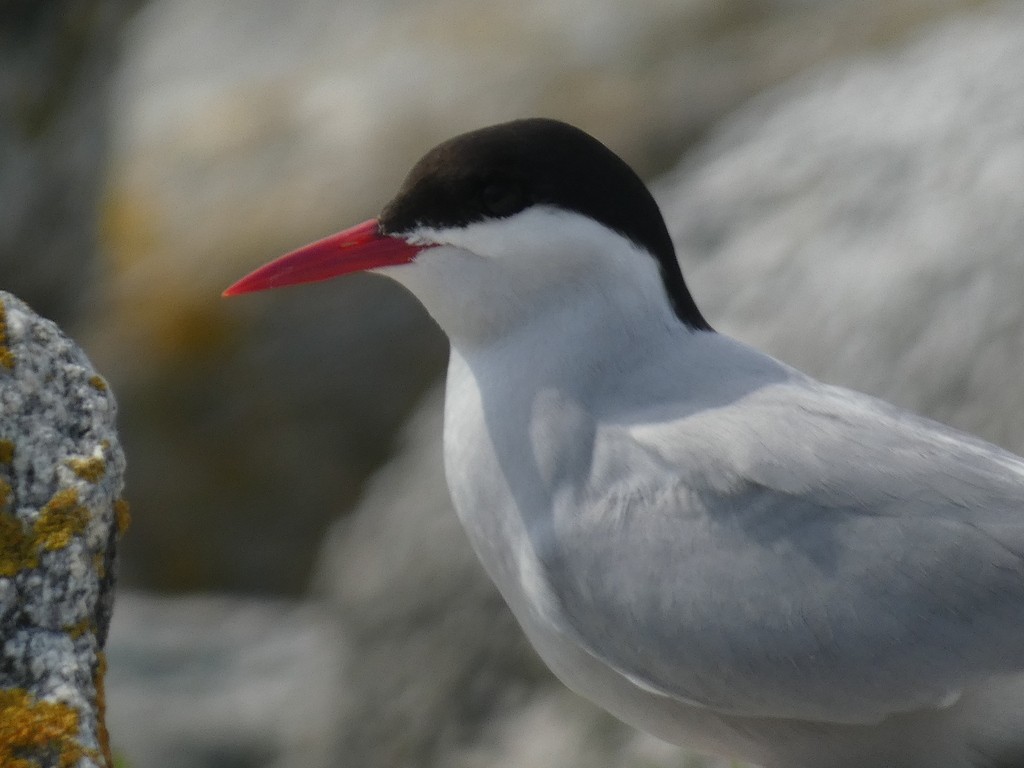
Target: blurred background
x=843, y=181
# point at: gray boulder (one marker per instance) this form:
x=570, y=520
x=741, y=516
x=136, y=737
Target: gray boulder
x=864, y=223
x=214, y=681
x=61, y=475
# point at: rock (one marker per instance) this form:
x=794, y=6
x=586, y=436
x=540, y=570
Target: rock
x=864, y=223
x=214, y=681
x=61, y=475
x=57, y=61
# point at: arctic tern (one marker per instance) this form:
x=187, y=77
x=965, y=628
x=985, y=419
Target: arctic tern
x=711, y=545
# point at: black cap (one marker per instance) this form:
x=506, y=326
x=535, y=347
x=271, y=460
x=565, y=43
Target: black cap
x=496, y=172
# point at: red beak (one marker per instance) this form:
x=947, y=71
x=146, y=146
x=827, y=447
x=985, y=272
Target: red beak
x=353, y=250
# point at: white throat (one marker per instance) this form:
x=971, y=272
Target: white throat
x=544, y=272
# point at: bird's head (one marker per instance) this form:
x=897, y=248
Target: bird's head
x=497, y=225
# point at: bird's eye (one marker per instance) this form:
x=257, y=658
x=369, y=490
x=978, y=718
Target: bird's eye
x=503, y=198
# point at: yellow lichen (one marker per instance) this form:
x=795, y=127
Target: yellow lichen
x=61, y=518
x=6, y=356
x=31, y=728
x=99, y=564
x=90, y=470
x=6, y=451
x=17, y=549
x=97, y=382
x=79, y=628
x=5, y=493
x=99, y=681
x=123, y=513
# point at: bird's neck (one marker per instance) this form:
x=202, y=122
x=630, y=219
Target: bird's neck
x=571, y=346
x=548, y=278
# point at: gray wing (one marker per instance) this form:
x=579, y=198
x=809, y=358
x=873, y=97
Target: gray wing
x=832, y=559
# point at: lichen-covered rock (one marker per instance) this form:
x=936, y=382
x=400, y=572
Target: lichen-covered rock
x=61, y=476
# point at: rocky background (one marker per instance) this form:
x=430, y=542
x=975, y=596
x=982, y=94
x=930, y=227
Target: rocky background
x=842, y=178
x=61, y=516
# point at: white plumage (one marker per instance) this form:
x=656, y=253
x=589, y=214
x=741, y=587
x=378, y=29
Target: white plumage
x=708, y=543
x=704, y=541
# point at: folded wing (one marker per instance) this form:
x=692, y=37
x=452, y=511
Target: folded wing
x=832, y=558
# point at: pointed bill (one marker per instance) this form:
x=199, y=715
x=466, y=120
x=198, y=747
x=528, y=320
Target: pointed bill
x=355, y=249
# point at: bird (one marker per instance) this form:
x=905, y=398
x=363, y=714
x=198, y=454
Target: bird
x=711, y=545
